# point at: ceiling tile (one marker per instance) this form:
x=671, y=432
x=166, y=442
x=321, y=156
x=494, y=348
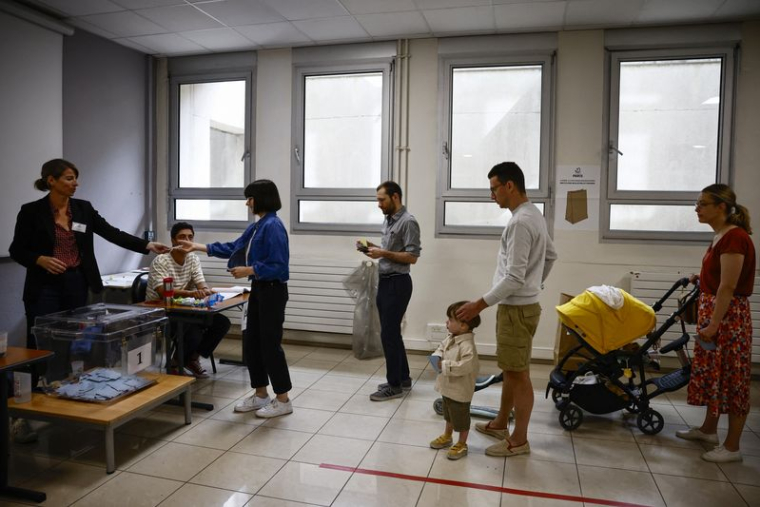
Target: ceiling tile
x=663, y=11
x=602, y=12
x=169, y=44
x=307, y=9
x=146, y=4
x=523, y=17
x=344, y=27
x=219, y=39
x=81, y=7
x=181, y=18
x=446, y=4
x=124, y=24
x=274, y=34
x=241, y=12
x=467, y=19
x=374, y=6
x=394, y=24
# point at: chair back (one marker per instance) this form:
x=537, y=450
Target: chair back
x=139, y=288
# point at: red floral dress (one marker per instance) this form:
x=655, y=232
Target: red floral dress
x=720, y=378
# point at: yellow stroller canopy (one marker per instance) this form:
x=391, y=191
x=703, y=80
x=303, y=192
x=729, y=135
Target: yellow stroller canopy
x=604, y=328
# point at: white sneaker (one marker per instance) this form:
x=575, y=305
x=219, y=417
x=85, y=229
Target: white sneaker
x=275, y=409
x=721, y=455
x=22, y=432
x=696, y=434
x=251, y=403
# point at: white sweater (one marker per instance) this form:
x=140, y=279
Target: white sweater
x=526, y=256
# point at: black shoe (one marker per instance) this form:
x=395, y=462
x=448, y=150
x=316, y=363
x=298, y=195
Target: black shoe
x=406, y=385
x=387, y=393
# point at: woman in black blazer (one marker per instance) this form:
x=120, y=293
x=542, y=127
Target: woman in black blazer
x=53, y=241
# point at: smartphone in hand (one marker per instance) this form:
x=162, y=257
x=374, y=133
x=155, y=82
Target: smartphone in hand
x=705, y=345
x=702, y=343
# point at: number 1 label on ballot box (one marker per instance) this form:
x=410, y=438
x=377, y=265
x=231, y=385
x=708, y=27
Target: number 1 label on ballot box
x=139, y=358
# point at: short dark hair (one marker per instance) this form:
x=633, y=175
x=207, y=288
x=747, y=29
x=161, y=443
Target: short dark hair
x=451, y=313
x=54, y=168
x=180, y=226
x=266, y=198
x=390, y=187
x=509, y=171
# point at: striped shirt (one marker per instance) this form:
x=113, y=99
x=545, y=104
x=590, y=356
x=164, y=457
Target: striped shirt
x=187, y=276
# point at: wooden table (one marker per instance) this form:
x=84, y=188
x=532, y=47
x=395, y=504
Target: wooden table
x=182, y=315
x=14, y=358
x=106, y=417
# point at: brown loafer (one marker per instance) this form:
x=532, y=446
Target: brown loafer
x=501, y=434
x=505, y=449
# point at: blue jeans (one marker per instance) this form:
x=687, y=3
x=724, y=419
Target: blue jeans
x=393, y=295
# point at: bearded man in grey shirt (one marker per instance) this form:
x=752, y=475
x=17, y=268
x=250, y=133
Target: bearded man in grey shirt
x=400, y=248
x=526, y=256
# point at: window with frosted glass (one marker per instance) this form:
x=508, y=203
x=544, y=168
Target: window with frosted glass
x=669, y=119
x=669, y=137
x=343, y=130
x=494, y=109
x=341, y=143
x=495, y=116
x=208, y=209
x=212, y=135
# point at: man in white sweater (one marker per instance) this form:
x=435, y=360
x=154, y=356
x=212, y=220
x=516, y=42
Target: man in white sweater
x=526, y=255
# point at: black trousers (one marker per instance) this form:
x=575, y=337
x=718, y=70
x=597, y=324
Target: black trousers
x=393, y=295
x=263, y=336
x=204, y=340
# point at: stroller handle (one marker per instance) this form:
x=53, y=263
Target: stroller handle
x=680, y=283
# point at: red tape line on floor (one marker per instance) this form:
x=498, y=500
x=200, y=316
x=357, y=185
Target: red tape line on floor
x=486, y=487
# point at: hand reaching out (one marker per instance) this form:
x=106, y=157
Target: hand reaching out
x=158, y=248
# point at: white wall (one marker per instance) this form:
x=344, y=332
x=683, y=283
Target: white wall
x=453, y=269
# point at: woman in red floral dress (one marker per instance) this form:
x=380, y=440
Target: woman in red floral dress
x=720, y=378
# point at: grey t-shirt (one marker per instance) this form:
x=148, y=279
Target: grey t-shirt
x=401, y=233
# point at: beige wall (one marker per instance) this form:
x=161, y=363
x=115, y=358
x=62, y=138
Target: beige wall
x=453, y=269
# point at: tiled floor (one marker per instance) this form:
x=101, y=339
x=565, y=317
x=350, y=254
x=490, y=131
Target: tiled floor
x=230, y=459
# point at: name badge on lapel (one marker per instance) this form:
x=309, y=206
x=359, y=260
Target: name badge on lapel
x=77, y=227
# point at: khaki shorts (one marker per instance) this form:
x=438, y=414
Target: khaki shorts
x=515, y=327
x=457, y=413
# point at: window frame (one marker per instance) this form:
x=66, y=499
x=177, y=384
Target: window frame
x=299, y=192
x=198, y=70
x=611, y=196
x=446, y=194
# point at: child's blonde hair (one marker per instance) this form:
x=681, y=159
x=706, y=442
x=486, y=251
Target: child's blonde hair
x=451, y=313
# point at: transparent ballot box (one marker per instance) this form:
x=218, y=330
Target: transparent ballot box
x=108, y=342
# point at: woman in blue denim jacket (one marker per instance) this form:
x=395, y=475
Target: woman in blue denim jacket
x=261, y=254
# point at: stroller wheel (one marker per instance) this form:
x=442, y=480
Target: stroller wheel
x=650, y=422
x=633, y=408
x=570, y=417
x=556, y=395
x=438, y=406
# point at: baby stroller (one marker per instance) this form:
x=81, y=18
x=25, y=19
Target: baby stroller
x=614, y=376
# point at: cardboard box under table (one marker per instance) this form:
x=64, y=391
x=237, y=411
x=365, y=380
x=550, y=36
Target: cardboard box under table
x=123, y=340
